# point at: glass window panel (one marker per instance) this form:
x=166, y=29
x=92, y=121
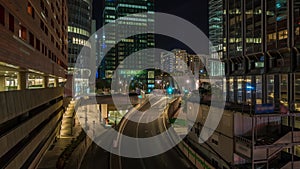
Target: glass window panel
x=284, y=89
x=30, y=10
x=35, y=81
x=11, y=23
x=297, y=91
x=2, y=15
x=270, y=88
x=231, y=90
x=23, y=32
x=240, y=89
x=258, y=89
x=281, y=19
x=249, y=88
x=297, y=22
x=10, y=81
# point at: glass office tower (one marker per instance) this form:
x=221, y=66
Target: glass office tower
x=216, y=37
x=114, y=10
x=260, y=123
x=261, y=56
x=79, y=31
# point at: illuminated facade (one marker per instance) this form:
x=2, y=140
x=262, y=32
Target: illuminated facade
x=196, y=65
x=168, y=61
x=261, y=56
x=79, y=28
x=260, y=124
x=262, y=48
x=79, y=31
x=177, y=60
x=114, y=10
x=33, y=66
x=181, y=60
x=216, y=37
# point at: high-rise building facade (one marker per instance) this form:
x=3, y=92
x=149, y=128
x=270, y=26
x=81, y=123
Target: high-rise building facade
x=181, y=60
x=79, y=31
x=216, y=37
x=260, y=125
x=262, y=49
x=177, y=60
x=196, y=65
x=168, y=61
x=33, y=66
x=79, y=28
x=261, y=56
x=117, y=9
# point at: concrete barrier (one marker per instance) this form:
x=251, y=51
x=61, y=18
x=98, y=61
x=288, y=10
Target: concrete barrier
x=23, y=155
x=15, y=103
x=12, y=138
x=78, y=154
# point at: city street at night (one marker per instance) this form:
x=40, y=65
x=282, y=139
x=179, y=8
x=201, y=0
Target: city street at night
x=145, y=84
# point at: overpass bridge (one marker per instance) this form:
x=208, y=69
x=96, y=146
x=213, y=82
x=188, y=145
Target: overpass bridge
x=108, y=99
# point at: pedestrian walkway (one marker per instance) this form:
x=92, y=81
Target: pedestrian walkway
x=70, y=129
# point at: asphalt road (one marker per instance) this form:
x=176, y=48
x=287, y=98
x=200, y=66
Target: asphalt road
x=146, y=123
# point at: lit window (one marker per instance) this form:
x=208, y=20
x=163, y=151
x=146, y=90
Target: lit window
x=23, y=32
x=258, y=89
x=297, y=92
x=297, y=31
x=30, y=10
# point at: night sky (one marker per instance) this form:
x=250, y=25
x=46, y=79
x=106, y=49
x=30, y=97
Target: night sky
x=195, y=11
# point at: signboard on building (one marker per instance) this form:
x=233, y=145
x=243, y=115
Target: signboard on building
x=264, y=108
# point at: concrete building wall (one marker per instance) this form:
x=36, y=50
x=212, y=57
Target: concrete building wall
x=220, y=146
x=33, y=38
x=22, y=156
x=45, y=55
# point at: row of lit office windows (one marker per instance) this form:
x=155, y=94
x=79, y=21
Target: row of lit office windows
x=243, y=87
x=78, y=31
x=283, y=34
x=33, y=81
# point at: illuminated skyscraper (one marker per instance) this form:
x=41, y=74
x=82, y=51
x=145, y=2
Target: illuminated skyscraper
x=79, y=28
x=216, y=37
x=114, y=10
x=79, y=31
